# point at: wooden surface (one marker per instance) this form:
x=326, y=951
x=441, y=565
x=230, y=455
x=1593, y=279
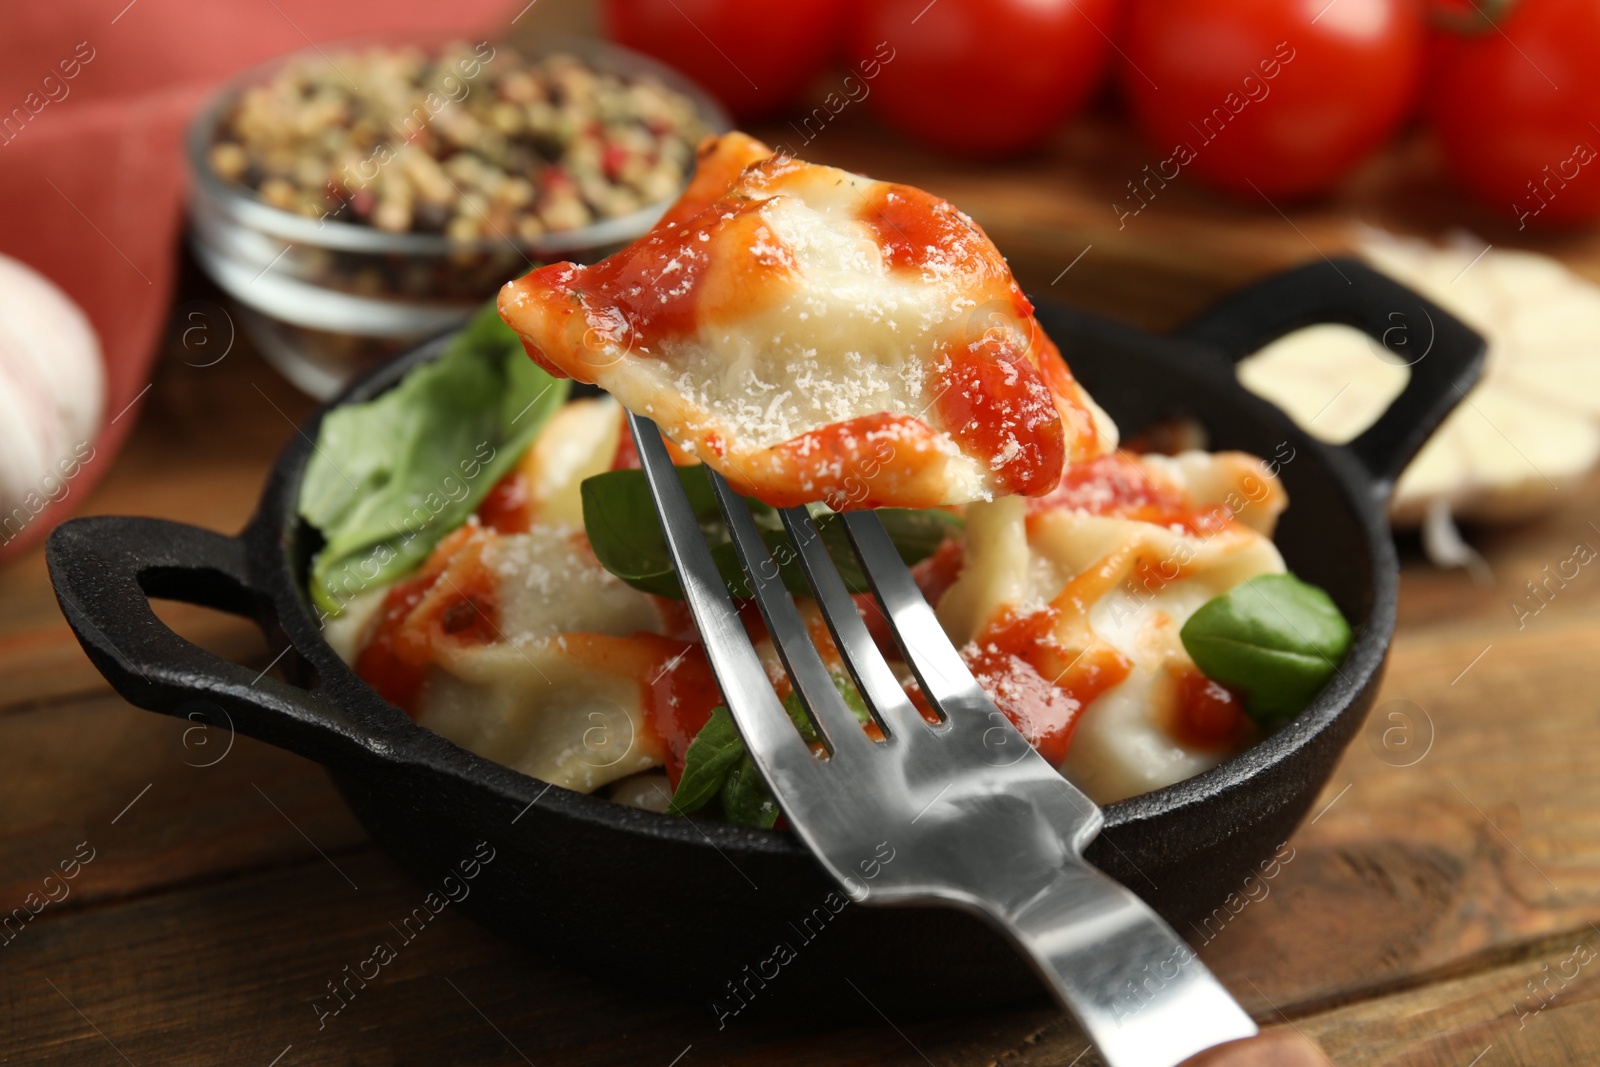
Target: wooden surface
x=1439, y=909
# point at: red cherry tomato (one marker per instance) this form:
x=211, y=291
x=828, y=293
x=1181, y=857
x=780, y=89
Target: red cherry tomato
x=1283, y=95
x=981, y=77
x=1515, y=108
x=754, y=58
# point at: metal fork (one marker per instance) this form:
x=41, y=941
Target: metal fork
x=976, y=818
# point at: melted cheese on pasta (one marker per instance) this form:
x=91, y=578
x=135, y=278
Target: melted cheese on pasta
x=816, y=335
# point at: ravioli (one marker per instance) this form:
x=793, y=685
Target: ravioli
x=816, y=335
x=1068, y=609
x=513, y=642
x=521, y=648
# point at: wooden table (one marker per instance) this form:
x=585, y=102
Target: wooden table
x=1438, y=909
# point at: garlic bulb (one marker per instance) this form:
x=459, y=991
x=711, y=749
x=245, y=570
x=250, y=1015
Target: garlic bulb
x=1530, y=428
x=52, y=394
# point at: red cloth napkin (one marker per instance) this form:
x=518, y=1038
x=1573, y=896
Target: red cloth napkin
x=91, y=166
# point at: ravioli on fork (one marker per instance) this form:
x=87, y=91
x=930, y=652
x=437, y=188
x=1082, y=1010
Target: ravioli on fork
x=816, y=335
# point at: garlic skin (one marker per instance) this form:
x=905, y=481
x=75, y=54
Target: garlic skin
x=52, y=393
x=1527, y=431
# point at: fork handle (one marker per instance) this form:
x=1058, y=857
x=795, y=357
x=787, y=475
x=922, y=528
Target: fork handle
x=1137, y=989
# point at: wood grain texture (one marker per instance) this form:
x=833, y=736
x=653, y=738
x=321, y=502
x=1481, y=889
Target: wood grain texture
x=161, y=802
x=1490, y=840
x=1543, y=1009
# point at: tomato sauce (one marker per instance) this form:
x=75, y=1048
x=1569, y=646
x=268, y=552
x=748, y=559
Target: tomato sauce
x=508, y=508
x=379, y=665
x=648, y=293
x=877, y=460
x=1118, y=485
x=676, y=685
x=718, y=165
x=450, y=600
x=995, y=403
x=994, y=393
x=914, y=228
x=1083, y=433
x=1040, y=686
x=1206, y=714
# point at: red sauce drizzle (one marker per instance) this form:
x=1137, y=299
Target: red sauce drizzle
x=1207, y=715
x=1117, y=484
x=675, y=681
x=508, y=508
x=996, y=404
x=450, y=600
x=647, y=293
x=719, y=164
x=1041, y=687
x=1083, y=434
x=870, y=461
x=915, y=228
x=379, y=664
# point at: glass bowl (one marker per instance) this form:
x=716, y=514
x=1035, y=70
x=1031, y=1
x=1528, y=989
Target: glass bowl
x=324, y=299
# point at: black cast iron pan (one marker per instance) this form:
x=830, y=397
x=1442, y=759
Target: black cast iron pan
x=698, y=909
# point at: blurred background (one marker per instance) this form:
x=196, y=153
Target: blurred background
x=321, y=187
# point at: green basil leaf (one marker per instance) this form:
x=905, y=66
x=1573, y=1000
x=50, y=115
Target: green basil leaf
x=802, y=722
x=1274, y=639
x=746, y=801
x=391, y=477
x=625, y=533
x=713, y=754
x=717, y=764
x=852, y=700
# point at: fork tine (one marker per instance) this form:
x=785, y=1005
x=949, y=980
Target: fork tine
x=829, y=714
x=769, y=735
x=885, y=698
x=945, y=679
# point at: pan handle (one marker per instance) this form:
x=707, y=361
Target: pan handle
x=105, y=569
x=1445, y=355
